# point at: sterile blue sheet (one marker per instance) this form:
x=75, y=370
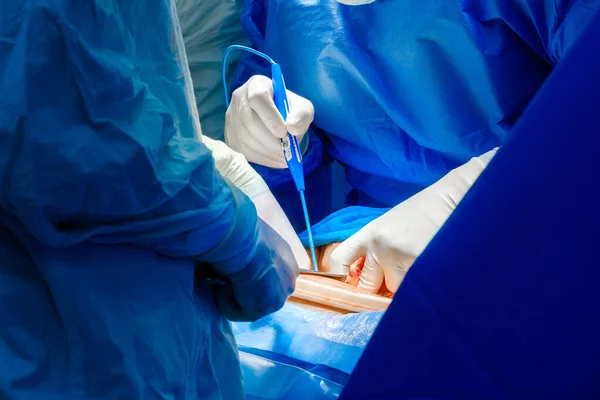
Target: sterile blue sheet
x=268, y=379
x=503, y=303
x=298, y=354
x=404, y=91
x=330, y=340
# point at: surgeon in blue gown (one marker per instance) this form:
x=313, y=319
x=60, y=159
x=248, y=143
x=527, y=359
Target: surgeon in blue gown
x=407, y=93
x=115, y=210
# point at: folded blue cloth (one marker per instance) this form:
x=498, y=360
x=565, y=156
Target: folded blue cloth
x=341, y=224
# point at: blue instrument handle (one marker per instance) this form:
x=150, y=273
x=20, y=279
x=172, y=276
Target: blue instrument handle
x=291, y=149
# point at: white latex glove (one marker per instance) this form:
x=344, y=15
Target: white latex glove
x=392, y=242
x=233, y=166
x=254, y=127
x=269, y=210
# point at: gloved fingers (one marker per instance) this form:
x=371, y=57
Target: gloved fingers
x=260, y=140
x=395, y=266
x=372, y=274
x=347, y=253
x=301, y=115
x=232, y=132
x=260, y=98
x=254, y=126
x=251, y=138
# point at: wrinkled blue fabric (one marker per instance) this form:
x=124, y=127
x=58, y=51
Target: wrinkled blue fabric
x=503, y=303
x=323, y=371
x=327, y=340
x=267, y=379
x=404, y=91
x=340, y=225
x=108, y=202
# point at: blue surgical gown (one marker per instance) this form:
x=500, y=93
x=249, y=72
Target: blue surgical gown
x=405, y=90
x=108, y=202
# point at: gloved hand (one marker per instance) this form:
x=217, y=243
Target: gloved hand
x=392, y=242
x=233, y=166
x=254, y=127
x=264, y=285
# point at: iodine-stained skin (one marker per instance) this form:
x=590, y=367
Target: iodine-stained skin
x=323, y=254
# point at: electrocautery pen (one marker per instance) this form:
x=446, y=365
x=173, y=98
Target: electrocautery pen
x=291, y=151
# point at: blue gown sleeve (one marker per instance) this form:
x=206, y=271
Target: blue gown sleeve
x=98, y=137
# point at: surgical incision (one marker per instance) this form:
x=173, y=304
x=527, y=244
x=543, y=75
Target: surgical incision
x=323, y=254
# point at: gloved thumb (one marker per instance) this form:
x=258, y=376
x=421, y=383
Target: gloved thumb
x=347, y=253
x=371, y=277
x=301, y=115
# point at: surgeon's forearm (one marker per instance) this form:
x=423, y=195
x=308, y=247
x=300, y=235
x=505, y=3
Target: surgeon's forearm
x=233, y=166
x=456, y=183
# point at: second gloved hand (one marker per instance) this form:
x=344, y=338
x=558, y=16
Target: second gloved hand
x=254, y=127
x=264, y=285
x=392, y=242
